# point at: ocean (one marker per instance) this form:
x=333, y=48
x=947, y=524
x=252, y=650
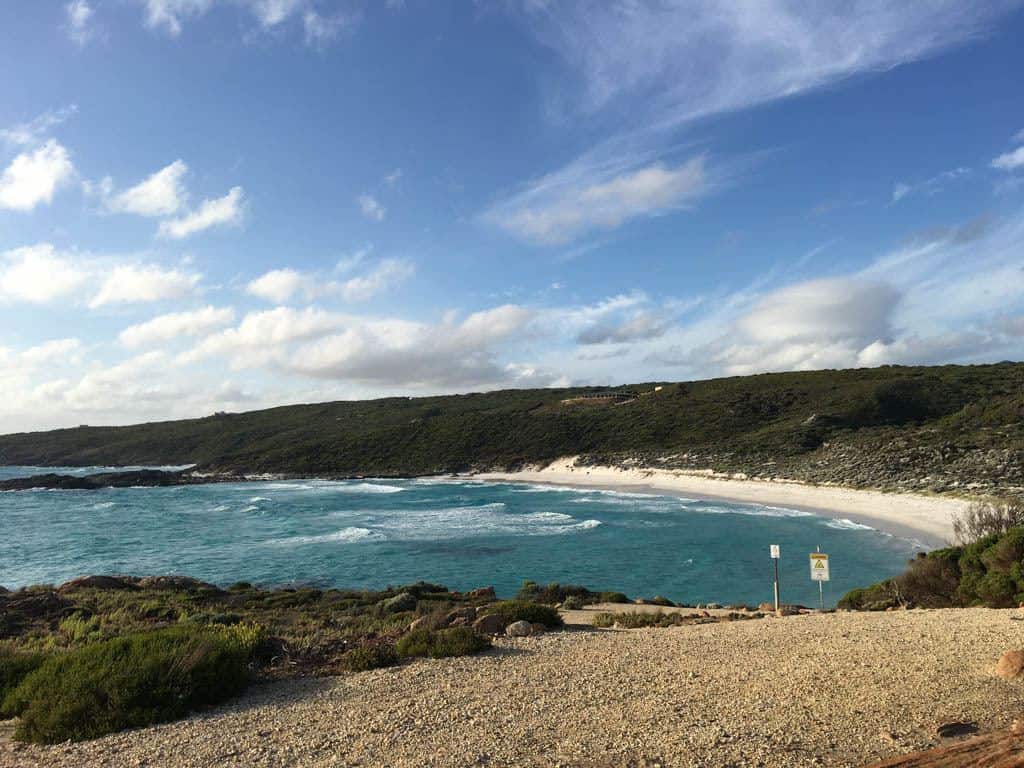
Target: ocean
x=456, y=532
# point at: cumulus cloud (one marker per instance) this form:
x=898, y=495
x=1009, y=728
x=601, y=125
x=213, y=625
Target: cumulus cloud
x=34, y=176
x=79, y=19
x=39, y=274
x=53, y=352
x=130, y=283
x=561, y=207
x=175, y=325
x=222, y=211
x=371, y=208
x=160, y=194
x=642, y=325
x=281, y=285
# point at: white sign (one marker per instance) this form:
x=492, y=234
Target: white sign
x=819, y=566
x=775, y=551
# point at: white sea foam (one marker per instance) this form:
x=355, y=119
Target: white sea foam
x=220, y=508
x=351, y=535
x=258, y=499
x=747, y=509
x=473, y=520
x=251, y=508
x=103, y=505
x=843, y=524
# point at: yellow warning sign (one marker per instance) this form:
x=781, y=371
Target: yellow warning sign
x=819, y=566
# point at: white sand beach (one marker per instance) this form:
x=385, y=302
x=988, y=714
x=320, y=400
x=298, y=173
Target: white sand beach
x=927, y=519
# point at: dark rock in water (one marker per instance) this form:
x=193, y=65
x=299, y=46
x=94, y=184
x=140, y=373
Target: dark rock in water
x=149, y=478
x=491, y=624
x=95, y=582
x=181, y=583
x=403, y=601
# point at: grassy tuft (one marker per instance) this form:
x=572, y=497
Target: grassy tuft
x=370, y=656
x=523, y=610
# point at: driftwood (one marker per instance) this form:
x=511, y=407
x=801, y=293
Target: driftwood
x=1002, y=749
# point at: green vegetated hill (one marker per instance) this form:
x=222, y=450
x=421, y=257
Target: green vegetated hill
x=936, y=428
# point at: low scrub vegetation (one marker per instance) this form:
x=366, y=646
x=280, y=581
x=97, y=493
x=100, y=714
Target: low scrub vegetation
x=441, y=643
x=524, y=610
x=130, y=682
x=369, y=656
x=638, y=620
x=556, y=594
x=989, y=572
x=986, y=518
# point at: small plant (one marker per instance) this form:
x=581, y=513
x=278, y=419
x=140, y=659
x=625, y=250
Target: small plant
x=638, y=620
x=441, y=643
x=613, y=597
x=523, y=610
x=572, y=603
x=79, y=628
x=370, y=656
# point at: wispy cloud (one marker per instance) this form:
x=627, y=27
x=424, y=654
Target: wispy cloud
x=930, y=186
x=371, y=208
x=218, y=212
x=282, y=285
x=80, y=21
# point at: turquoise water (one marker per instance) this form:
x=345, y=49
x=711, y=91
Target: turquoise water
x=463, y=534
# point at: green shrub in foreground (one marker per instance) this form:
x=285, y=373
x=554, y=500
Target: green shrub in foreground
x=638, y=620
x=441, y=643
x=523, y=610
x=366, y=657
x=14, y=667
x=130, y=682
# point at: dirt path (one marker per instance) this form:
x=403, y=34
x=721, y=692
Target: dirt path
x=838, y=689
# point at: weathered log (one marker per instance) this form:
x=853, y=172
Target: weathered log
x=1002, y=749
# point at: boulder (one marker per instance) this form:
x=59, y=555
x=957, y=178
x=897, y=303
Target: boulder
x=1011, y=665
x=481, y=593
x=491, y=624
x=519, y=629
x=95, y=582
x=537, y=628
x=176, y=583
x=766, y=607
x=460, y=617
x=403, y=601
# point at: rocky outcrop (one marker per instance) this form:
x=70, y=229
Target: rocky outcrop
x=1011, y=665
x=491, y=624
x=95, y=582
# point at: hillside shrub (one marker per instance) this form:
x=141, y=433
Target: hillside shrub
x=989, y=572
x=14, y=666
x=130, y=682
x=524, y=610
x=441, y=643
x=985, y=518
x=555, y=593
x=370, y=656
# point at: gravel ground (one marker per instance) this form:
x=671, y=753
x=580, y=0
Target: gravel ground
x=838, y=689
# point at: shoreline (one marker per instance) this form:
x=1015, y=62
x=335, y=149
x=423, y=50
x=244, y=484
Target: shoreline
x=927, y=519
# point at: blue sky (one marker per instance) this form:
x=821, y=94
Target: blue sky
x=229, y=204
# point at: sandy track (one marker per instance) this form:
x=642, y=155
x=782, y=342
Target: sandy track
x=810, y=690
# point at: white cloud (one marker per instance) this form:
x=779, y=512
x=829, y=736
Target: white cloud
x=1010, y=160
x=928, y=187
x=55, y=352
x=386, y=274
x=176, y=324
x=38, y=274
x=561, y=207
x=370, y=208
x=638, y=327
x=34, y=176
x=392, y=178
x=130, y=283
x=169, y=14
x=320, y=30
x=260, y=336
x=160, y=194
x=79, y=16
x=35, y=130
x=281, y=285
x=227, y=210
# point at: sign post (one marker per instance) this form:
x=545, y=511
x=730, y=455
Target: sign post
x=819, y=573
x=774, y=549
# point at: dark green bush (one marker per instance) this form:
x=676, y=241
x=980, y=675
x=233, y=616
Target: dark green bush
x=613, y=597
x=988, y=572
x=555, y=593
x=441, y=643
x=14, y=666
x=370, y=656
x=129, y=682
x=523, y=610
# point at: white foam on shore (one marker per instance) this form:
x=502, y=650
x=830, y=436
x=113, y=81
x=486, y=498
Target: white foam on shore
x=415, y=524
x=844, y=524
x=752, y=510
